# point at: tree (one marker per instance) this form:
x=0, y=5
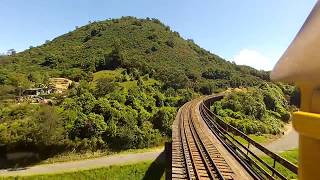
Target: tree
x=111, y=61
x=3, y=79
x=11, y=52
x=104, y=86
x=87, y=101
x=217, y=74
x=170, y=43
x=140, y=82
x=207, y=88
x=49, y=61
x=94, y=32
x=115, y=58
x=163, y=119
x=50, y=126
x=176, y=80
x=20, y=81
x=88, y=126
x=35, y=77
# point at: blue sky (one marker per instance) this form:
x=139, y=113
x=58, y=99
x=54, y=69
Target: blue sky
x=248, y=32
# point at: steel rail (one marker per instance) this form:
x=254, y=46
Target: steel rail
x=184, y=151
x=185, y=146
x=197, y=161
x=200, y=145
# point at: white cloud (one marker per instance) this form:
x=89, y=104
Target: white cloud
x=254, y=59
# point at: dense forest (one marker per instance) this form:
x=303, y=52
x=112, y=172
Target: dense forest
x=129, y=77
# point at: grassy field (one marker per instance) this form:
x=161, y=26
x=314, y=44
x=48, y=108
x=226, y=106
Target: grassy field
x=110, y=74
x=258, y=138
x=144, y=170
x=290, y=155
x=113, y=74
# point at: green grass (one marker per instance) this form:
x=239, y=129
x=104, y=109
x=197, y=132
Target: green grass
x=290, y=155
x=113, y=74
x=143, y=170
x=133, y=84
x=261, y=139
x=110, y=74
x=258, y=138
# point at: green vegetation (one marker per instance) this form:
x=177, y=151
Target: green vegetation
x=132, y=171
x=130, y=77
x=290, y=155
x=90, y=119
x=262, y=138
x=124, y=80
x=255, y=110
x=110, y=74
x=141, y=46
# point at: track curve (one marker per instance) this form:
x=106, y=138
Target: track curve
x=196, y=154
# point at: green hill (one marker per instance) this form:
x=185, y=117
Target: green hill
x=143, y=44
x=131, y=77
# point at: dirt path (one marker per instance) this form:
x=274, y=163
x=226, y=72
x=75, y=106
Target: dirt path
x=83, y=164
x=290, y=140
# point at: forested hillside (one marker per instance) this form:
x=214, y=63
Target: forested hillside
x=129, y=77
x=143, y=44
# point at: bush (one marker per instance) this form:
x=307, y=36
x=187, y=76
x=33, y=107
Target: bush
x=88, y=126
x=254, y=110
x=163, y=119
x=50, y=130
x=104, y=86
x=170, y=43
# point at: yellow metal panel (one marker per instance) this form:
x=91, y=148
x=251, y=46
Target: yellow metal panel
x=309, y=158
x=307, y=124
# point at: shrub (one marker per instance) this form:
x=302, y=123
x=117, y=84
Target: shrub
x=254, y=110
x=170, y=43
x=163, y=119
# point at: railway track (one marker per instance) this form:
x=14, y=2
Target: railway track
x=204, y=147
x=194, y=155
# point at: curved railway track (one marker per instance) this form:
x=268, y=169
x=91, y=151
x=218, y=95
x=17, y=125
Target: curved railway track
x=204, y=147
x=194, y=155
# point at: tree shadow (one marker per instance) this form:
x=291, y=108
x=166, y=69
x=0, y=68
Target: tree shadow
x=35, y=157
x=157, y=168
